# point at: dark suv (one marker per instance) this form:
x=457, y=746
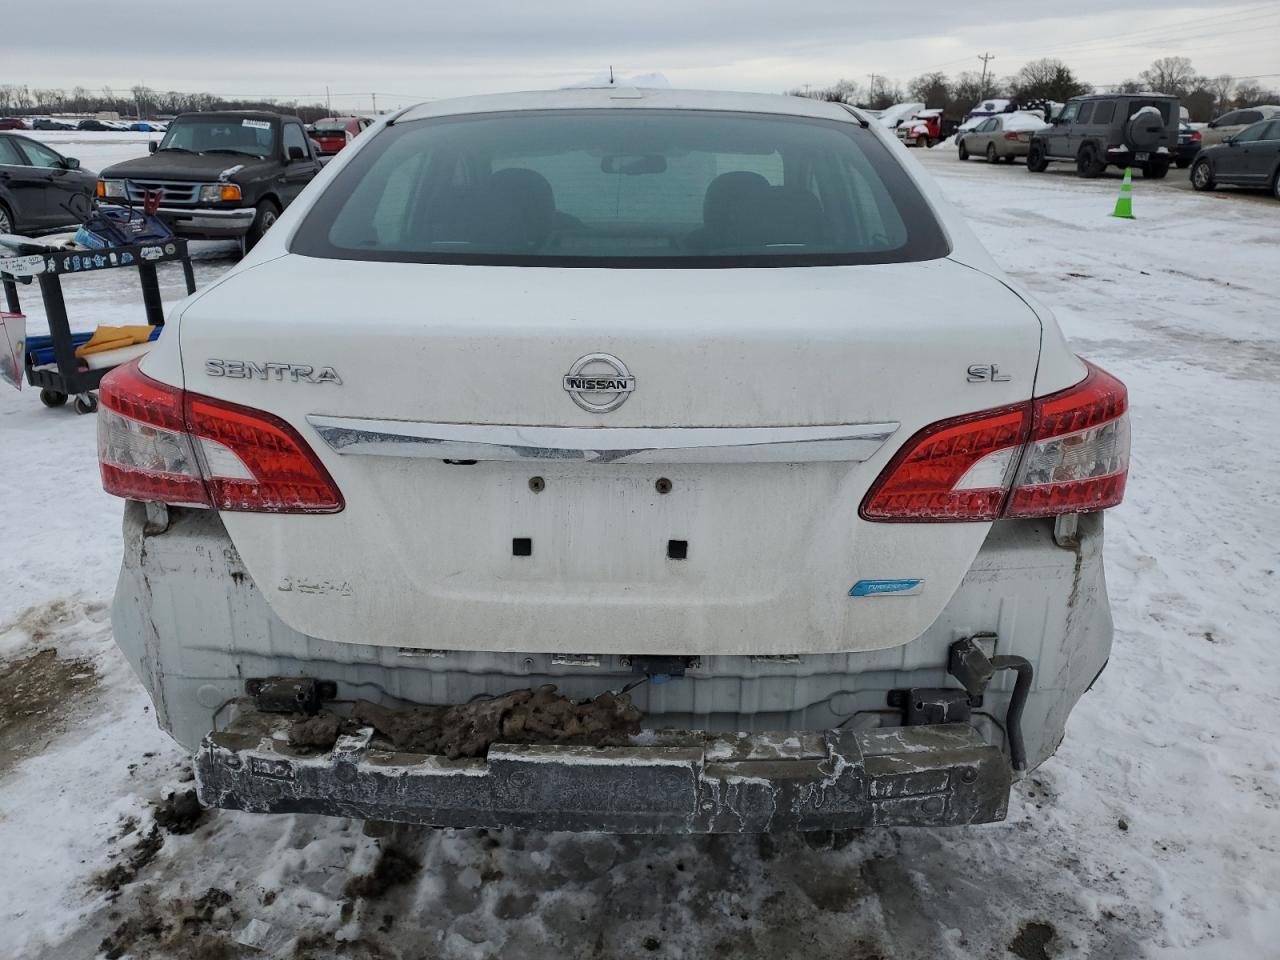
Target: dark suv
x=1127, y=130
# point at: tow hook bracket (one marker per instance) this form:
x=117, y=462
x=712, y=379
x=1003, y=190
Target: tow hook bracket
x=968, y=664
x=290, y=694
x=928, y=705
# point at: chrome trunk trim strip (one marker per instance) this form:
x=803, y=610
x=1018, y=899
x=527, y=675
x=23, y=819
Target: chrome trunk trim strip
x=853, y=442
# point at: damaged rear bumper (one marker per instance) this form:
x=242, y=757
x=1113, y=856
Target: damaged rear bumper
x=675, y=782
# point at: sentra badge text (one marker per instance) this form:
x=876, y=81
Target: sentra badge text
x=291, y=372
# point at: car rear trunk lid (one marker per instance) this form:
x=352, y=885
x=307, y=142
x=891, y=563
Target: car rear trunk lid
x=713, y=510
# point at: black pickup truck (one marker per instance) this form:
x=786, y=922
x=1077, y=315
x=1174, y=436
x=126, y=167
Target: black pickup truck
x=220, y=175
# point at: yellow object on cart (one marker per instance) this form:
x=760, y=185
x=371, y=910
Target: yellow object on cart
x=113, y=338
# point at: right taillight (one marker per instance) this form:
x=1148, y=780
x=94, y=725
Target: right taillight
x=160, y=443
x=1078, y=457
x=1064, y=453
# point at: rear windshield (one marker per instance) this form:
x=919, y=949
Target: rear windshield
x=623, y=188
x=336, y=125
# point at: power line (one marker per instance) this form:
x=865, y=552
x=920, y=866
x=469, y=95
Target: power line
x=1162, y=33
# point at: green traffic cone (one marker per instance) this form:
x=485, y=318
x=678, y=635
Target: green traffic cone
x=1124, y=203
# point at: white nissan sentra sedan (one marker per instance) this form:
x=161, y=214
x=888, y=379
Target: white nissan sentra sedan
x=570, y=460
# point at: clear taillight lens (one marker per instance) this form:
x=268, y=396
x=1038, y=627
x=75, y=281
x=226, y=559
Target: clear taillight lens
x=1078, y=460
x=1064, y=453
x=144, y=452
x=156, y=442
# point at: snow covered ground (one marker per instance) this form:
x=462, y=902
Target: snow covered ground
x=1155, y=831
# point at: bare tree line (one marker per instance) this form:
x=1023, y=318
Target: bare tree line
x=1050, y=79
x=1204, y=97
x=141, y=102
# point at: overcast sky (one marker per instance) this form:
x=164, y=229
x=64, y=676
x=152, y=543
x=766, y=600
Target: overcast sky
x=407, y=51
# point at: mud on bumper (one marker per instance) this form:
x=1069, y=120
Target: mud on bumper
x=676, y=782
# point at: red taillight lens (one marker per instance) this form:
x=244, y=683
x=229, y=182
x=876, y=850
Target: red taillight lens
x=1064, y=453
x=256, y=462
x=1011, y=136
x=1196, y=137
x=955, y=469
x=156, y=442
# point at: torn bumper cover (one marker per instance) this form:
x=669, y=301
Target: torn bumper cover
x=674, y=782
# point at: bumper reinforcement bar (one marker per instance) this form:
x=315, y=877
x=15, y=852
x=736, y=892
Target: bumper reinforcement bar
x=676, y=782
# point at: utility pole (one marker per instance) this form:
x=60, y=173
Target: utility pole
x=375, y=103
x=984, y=58
x=328, y=104
x=871, y=94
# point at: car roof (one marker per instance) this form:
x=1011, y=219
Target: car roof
x=236, y=115
x=1145, y=95
x=630, y=98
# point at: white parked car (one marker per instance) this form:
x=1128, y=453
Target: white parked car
x=615, y=390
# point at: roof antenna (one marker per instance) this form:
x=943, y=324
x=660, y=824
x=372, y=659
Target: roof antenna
x=611, y=74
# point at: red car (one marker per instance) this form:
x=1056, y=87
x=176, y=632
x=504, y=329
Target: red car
x=334, y=133
x=11, y=123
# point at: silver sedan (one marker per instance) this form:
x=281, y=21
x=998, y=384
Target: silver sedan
x=1002, y=137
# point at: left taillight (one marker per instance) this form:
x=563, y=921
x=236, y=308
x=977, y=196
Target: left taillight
x=144, y=451
x=160, y=443
x=1064, y=453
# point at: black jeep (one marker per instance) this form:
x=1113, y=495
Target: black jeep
x=220, y=174
x=1126, y=130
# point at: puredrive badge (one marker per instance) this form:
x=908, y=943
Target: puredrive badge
x=599, y=382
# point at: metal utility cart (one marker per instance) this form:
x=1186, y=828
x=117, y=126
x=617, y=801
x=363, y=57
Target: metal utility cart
x=47, y=267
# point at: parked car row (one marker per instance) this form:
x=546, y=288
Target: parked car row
x=93, y=124
x=1143, y=131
